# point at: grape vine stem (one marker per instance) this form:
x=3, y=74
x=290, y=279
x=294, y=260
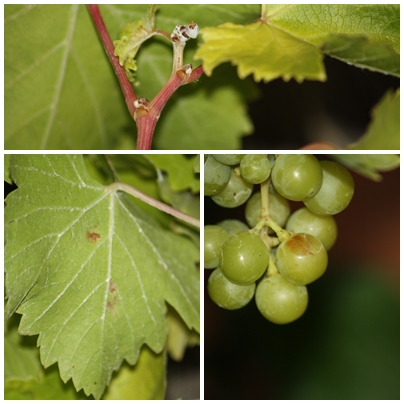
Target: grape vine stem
x=146, y=120
x=121, y=186
x=126, y=86
x=147, y=115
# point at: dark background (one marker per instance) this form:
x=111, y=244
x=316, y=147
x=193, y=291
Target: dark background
x=288, y=115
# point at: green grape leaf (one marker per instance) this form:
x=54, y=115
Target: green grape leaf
x=262, y=50
x=359, y=51
x=170, y=15
x=60, y=91
x=180, y=337
x=144, y=381
x=197, y=163
x=89, y=271
x=24, y=376
x=383, y=132
x=288, y=41
x=132, y=169
x=315, y=22
x=6, y=170
x=21, y=362
x=49, y=387
x=179, y=169
x=369, y=165
x=130, y=39
x=184, y=201
x=204, y=119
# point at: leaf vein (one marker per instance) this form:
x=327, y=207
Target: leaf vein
x=62, y=73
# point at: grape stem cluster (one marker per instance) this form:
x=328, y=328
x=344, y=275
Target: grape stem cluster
x=145, y=113
x=249, y=261
x=260, y=229
x=266, y=219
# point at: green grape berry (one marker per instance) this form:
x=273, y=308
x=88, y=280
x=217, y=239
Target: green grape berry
x=243, y=258
x=255, y=168
x=214, y=238
x=336, y=190
x=216, y=176
x=280, y=301
x=233, y=226
x=323, y=227
x=279, y=208
x=228, y=159
x=301, y=259
x=297, y=176
x=236, y=192
x=296, y=252
x=226, y=294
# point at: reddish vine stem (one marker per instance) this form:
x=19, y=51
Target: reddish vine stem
x=147, y=114
x=146, y=121
x=127, y=89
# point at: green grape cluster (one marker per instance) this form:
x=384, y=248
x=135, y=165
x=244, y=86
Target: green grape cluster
x=278, y=252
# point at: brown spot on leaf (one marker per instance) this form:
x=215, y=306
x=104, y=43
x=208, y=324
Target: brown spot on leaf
x=93, y=237
x=111, y=297
x=112, y=286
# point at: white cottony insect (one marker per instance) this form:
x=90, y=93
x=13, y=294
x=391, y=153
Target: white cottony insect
x=182, y=33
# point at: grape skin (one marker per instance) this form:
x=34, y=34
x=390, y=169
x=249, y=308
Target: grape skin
x=323, y=227
x=279, y=208
x=297, y=176
x=301, y=259
x=233, y=226
x=226, y=294
x=228, y=159
x=279, y=301
x=255, y=168
x=236, y=192
x=216, y=176
x=336, y=191
x=214, y=237
x=243, y=258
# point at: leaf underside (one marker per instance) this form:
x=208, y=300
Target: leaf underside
x=383, y=132
x=89, y=271
x=369, y=165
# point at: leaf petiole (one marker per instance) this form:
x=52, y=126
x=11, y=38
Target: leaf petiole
x=120, y=186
